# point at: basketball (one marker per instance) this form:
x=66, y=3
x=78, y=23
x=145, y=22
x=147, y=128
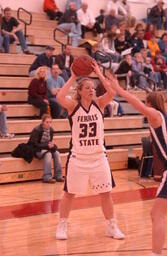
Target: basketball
x=82, y=66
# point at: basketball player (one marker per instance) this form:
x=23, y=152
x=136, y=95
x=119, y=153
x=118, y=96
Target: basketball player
x=87, y=162
x=154, y=110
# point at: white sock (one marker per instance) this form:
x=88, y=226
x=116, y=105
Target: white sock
x=63, y=220
x=112, y=221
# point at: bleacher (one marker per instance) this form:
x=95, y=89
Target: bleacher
x=121, y=133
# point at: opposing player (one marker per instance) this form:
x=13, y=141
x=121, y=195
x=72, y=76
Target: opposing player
x=154, y=110
x=87, y=162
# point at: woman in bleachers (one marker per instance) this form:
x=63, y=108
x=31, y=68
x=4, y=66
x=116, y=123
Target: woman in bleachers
x=150, y=31
x=37, y=91
x=163, y=45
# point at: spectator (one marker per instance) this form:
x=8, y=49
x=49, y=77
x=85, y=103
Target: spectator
x=153, y=45
x=138, y=75
x=139, y=28
x=120, y=12
x=121, y=44
x=157, y=15
x=100, y=18
x=69, y=23
x=51, y=9
x=11, y=31
x=114, y=108
x=160, y=67
x=1, y=37
x=150, y=31
x=124, y=71
x=149, y=72
x=107, y=45
x=54, y=83
x=110, y=20
x=77, y=3
x=41, y=139
x=44, y=59
x=163, y=45
x=124, y=30
x=37, y=91
x=3, y=124
x=64, y=61
x=129, y=18
x=138, y=42
x=87, y=21
x=144, y=53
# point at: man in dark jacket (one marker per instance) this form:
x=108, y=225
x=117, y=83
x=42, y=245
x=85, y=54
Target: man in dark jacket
x=157, y=15
x=69, y=23
x=64, y=61
x=41, y=139
x=44, y=59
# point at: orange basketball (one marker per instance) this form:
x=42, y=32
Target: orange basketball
x=82, y=66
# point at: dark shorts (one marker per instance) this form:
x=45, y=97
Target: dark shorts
x=162, y=190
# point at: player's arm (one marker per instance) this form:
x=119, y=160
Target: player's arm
x=62, y=94
x=152, y=114
x=108, y=96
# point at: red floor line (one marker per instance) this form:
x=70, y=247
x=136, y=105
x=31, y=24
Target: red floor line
x=45, y=207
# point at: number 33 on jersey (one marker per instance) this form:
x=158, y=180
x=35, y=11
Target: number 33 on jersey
x=87, y=130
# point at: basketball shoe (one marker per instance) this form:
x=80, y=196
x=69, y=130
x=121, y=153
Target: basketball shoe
x=61, y=231
x=113, y=230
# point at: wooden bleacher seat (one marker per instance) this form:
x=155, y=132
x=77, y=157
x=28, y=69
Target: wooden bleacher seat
x=17, y=58
x=62, y=141
x=14, y=70
x=22, y=110
x=62, y=125
x=15, y=169
x=14, y=82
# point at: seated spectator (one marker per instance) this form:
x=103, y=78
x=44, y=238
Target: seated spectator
x=163, y=45
x=138, y=75
x=77, y=3
x=121, y=44
x=11, y=31
x=110, y=20
x=138, y=42
x=153, y=45
x=124, y=71
x=160, y=67
x=3, y=124
x=124, y=30
x=69, y=24
x=129, y=18
x=1, y=37
x=120, y=12
x=87, y=21
x=100, y=18
x=139, y=28
x=44, y=59
x=41, y=139
x=150, y=31
x=157, y=15
x=54, y=83
x=37, y=91
x=64, y=61
x=51, y=9
x=149, y=72
x=144, y=53
x=107, y=45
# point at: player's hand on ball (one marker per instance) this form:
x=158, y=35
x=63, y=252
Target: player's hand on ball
x=96, y=67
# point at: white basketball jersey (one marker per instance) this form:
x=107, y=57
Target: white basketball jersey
x=87, y=130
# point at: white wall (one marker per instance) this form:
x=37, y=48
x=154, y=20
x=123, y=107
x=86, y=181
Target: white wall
x=138, y=7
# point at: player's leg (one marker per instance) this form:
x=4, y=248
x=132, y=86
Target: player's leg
x=65, y=207
x=108, y=211
x=158, y=214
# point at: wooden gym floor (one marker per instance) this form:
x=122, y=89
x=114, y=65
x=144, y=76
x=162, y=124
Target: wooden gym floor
x=29, y=215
